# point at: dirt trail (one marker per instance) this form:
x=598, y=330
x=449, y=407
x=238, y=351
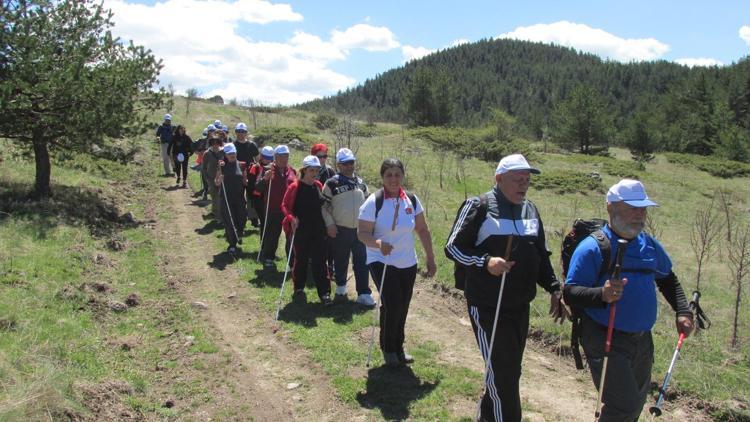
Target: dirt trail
x=267, y=362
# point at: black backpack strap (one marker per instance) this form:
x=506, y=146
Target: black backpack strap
x=605, y=247
x=379, y=197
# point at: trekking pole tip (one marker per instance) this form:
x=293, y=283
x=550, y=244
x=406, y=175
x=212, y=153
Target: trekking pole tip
x=654, y=410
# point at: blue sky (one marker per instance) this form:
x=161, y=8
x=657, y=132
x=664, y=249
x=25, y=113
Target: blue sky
x=288, y=52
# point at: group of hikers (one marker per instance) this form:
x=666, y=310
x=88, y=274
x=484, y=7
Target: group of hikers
x=497, y=243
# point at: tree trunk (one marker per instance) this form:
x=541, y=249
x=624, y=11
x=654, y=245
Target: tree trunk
x=43, y=166
x=736, y=313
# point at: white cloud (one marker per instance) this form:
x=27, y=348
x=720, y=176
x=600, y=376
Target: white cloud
x=745, y=33
x=699, y=61
x=367, y=37
x=458, y=42
x=591, y=40
x=413, y=53
x=202, y=46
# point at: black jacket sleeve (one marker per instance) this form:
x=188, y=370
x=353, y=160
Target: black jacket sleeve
x=547, y=278
x=460, y=245
x=583, y=297
x=672, y=291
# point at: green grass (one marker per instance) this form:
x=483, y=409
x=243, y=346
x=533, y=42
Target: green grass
x=59, y=339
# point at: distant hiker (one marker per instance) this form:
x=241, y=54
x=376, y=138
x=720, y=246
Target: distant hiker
x=233, y=174
x=164, y=135
x=344, y=194
x=477, y=242
x=199, y=147
x=278, y=177
x=210, y=167
x=180, y=149
x=254, y=173
x=388, y=233
x=302, y=216
x=588, y=287
x=217, y=124
x=247, y=152
x=325, y=173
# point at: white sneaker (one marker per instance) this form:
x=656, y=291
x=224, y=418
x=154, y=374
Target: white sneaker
x=341, y=290
x=366, y=300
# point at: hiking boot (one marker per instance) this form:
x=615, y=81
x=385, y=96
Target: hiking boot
x=405, y=358
x=299, y=295
x=239, y=240
x=391, y=359
x=178, y=180
x=184, y=185
x=232, y=250
x=365, y=300
x=326, y=300
x=340, y=290
x=205, y=197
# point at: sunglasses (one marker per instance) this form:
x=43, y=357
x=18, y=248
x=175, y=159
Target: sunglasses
x=240, y=131
x=322, y=156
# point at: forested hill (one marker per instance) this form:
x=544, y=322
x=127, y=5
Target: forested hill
x=527, y=80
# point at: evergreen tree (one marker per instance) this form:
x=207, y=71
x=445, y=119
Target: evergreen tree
x=640, y=141
x=581, y=121
x=419, y=98
x=698, y=119
x=68, y=83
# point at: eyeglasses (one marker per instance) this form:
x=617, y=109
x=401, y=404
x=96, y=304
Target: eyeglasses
x=322, y=156
x=240, y=131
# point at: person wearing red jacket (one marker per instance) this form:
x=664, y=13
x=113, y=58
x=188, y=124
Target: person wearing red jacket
x=255, y=172
x=303, y=217
x=272, y=186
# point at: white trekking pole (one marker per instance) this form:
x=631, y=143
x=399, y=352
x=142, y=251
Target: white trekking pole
x=265, y=217
x=488, y=358
x=286, y=271
x=376, y=316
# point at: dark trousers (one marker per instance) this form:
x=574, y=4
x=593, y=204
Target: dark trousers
x=272, y=234
x=347, y=244
x=394, y=303
x=238, y=217
x=310, y=248
x=256, y=202
x=628, y=369
x=181, y=167
x=502, y=399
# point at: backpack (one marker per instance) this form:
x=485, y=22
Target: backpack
x=580, y=231
x=380, y=197
x=459, y=271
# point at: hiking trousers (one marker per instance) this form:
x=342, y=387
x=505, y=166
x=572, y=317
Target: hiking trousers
x=213, y=190
x=394, y=303
x=346, y=244
x=309, y=248
x=238, y=217
x=502, y=399
x=165, y=159
x=181, y=167
x=628, y=369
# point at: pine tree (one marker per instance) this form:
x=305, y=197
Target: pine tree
x=68, y=83
x=419, y=98
x=640, y=141
x=581, y=121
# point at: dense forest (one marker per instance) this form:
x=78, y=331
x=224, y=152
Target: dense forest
x=557, y=92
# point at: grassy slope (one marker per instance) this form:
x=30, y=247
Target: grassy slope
x=710, y=370
x=65, y=343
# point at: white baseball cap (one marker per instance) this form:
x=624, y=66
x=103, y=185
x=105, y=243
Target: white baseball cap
x=240, y=126
x=344, y=155
x=281, y=149
x=168, y=117
x=217, y=123
x=267, y=152
x=514, y=162
x=630, y=192
x=205, y=132
x=310, y=161
x=230, y=149
x=211, y=128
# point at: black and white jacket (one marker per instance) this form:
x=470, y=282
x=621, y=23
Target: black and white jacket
x=472, y=242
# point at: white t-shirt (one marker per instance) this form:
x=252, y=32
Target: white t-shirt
x=403, y=254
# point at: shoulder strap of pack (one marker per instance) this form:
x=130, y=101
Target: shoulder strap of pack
x=379, y=197
x=605, y=247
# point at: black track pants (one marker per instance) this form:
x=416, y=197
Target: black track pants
x=394, y=303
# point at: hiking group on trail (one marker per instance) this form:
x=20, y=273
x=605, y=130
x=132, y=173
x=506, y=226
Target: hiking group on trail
x=329, y=218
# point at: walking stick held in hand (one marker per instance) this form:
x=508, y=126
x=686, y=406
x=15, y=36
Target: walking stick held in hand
x=376, y=315
x=494, y=329
x=286, y=271
x=265, y=217
x=622, y=244
x=702, y=322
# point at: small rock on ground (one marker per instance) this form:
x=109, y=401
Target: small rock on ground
x=116, y=306
x=199, y=305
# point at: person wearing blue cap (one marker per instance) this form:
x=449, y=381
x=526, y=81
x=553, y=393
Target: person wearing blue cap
x=645, y=267
x=256, y=171
x=273, y=185
x=231, y=180
x=164, y=136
